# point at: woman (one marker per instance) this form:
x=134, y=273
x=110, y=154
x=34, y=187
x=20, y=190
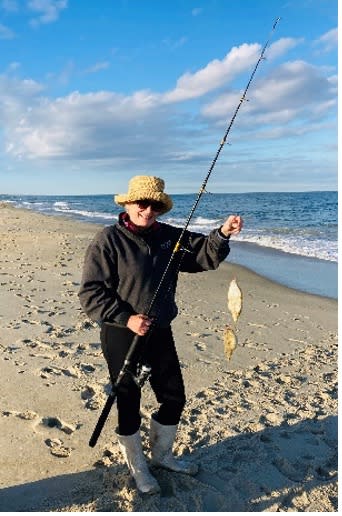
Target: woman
x=122, y=270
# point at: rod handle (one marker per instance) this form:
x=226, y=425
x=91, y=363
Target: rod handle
x=111, y=398
x=102, y=420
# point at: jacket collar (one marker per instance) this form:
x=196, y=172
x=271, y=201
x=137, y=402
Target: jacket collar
x=125, y=221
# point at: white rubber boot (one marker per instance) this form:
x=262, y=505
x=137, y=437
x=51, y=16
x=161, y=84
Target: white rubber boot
x=131, y=448
x=161, y=440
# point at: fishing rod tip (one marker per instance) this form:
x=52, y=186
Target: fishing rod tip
x=276, y=22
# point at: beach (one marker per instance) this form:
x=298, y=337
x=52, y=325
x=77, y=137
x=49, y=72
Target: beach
x=262, y=426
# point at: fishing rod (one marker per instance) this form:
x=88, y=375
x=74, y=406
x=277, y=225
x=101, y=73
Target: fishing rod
x=202, y=189
x=143, y=371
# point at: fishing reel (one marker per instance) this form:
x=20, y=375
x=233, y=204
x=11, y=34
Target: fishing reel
x=143, y=372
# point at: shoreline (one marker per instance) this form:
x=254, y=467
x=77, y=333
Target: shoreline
x=263, y=426
x=295, y=271
x=289, y=269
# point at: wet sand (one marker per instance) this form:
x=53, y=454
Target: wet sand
x=263, y=426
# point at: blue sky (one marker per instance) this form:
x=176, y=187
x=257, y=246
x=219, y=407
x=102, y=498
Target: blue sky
x=94, y=92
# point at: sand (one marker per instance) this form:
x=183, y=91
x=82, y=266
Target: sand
x=263, y=426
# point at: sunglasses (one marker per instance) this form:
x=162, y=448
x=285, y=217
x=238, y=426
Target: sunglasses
x=155, y=205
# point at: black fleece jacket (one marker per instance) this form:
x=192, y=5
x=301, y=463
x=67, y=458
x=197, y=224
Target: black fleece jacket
x=122, y=271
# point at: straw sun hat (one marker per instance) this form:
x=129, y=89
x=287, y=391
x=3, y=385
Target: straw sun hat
x=145, y=187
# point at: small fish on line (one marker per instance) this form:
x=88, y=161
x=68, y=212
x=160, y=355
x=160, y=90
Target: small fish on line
x=234, y=299
x=229, y=341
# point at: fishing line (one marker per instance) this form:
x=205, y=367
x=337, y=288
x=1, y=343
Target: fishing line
x=202, y=190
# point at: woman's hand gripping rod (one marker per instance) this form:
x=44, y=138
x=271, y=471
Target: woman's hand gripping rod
x=135, y=348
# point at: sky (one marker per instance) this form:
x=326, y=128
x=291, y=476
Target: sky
x=95, y=92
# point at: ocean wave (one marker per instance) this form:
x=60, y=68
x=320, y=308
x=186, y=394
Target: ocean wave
x=308, y=243
x=32, y=205
x=198, y=224
x=62, y=205
x=272, y=224
x=309, y=248
x=85, y=213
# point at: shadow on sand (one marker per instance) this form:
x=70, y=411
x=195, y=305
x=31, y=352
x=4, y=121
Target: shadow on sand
x=252, y=472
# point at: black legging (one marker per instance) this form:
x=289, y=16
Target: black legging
x=166, y=377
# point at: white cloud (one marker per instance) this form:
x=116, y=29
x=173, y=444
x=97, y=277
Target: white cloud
x=80, y=125
x=293, y=92
x=291, y=131
x=282, y=46
x=14, y=66
x=64, y=76
x=295, y=83
x=328, y=41
x=220, y=72
x=101, y=65
x=175, y=44
x=146, y=128
x=47, y=11
x=214, y=75
x=20, y=90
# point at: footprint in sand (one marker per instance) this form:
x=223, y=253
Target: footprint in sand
x=200, y=346
x=57, y=448
x=89, y=394
x=27, y=415
x=87, y=368
x=55, y=422
x=58, y=371
x=294, y=471
x=109, y=456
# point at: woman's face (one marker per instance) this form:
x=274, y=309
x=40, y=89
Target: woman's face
x=143, y=213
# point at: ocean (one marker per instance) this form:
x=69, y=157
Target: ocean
x=291, y=238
